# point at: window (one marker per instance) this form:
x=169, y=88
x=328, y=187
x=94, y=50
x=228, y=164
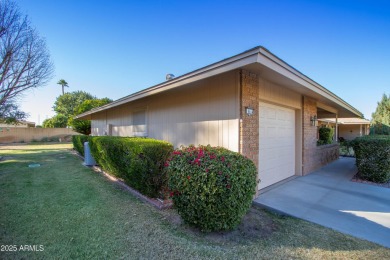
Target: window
x=139, y=123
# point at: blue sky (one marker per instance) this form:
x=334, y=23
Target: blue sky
x=114, y=48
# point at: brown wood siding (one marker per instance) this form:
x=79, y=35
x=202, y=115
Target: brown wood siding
x=98, y=124
x=271, y=92
x=206, y=112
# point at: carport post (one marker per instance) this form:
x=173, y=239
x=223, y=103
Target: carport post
x=337, y=129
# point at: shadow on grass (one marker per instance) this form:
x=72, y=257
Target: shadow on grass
x=262, y=227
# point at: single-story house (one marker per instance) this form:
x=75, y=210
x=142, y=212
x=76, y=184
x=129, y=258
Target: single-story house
x=253, y=103
x=348, y=128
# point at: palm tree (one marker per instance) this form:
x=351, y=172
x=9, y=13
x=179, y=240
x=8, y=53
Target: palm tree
x=63, y=83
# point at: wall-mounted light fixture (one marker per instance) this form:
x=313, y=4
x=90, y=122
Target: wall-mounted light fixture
x=313, y=120
x=249, y=111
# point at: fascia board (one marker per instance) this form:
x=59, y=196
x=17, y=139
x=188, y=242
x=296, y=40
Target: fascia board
x=356, y=123
x=229, y=64
x=327, y=108
x=276, y=64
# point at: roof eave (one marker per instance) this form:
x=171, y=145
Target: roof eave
x=225, y=65
x=258, y=54
x=271, y=60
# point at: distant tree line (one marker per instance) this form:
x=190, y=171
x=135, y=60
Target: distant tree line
x=380, y=122
x=68, y=105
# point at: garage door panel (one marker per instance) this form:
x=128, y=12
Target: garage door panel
x=276, y=144
x=272, y=175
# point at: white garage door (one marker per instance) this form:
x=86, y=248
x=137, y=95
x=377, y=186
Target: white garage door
x=276, y=144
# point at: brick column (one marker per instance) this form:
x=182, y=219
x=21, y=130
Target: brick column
x=249, y=125
x=309, y=136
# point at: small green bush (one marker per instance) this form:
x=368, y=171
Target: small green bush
x=373, y=157
x=346, y=148
x=78, y=143
x=325, y=135
x=212, y=188
x=379, y=129
x=138, y=161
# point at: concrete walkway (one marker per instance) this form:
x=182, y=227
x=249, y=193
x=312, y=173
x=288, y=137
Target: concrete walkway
x=328, y=197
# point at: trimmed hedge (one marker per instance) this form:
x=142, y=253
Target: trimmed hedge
x=379, y=129
x=211, y=187
x=325, y=135
x=78, y=143
x=138, y=161
x=373, y=157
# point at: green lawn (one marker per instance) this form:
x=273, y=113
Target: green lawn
x=74, y=212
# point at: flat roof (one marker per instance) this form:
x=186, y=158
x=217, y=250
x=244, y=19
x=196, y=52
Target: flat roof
x=347, y=121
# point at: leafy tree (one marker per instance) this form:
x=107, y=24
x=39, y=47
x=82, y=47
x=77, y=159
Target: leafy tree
x=71, y=104
x=90, y=104
x=48, y=123
x=381, y=117
x=66, y=104
x=63, y=84
x=84, y=126
x=24, y=58
x=57, y=121
x=382, y=112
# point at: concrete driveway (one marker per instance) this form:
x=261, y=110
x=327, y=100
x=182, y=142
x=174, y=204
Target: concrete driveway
x=328, y=197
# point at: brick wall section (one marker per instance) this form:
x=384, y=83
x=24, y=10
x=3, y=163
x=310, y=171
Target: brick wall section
x=314, y=156
x=309, y=135
x=327, y=153
x=249, y=125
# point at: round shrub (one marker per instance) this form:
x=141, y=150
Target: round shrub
x=373, y=157
x=212, y=188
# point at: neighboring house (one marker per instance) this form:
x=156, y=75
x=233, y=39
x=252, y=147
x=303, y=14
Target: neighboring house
x=348, y=128
x=253, y=103
x=23, y=124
